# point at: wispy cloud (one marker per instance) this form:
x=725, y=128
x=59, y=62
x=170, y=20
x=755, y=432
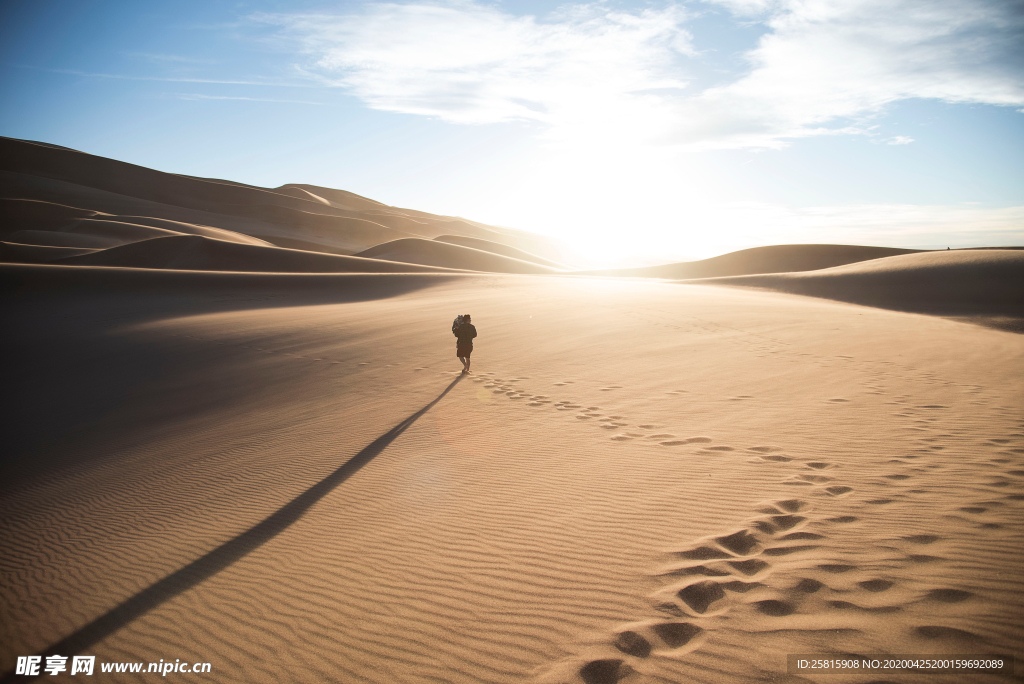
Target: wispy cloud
x=591, y=70
x=826, y=60
x=175, y=79
x=197, y=96
x=469, y=63
x=178, y=59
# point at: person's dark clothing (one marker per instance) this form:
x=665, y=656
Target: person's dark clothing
x=465, y=333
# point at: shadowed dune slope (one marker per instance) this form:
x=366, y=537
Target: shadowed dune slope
x=27, y=214
x=38, y=254
x=989, y=281
x=34, y=222
x=433, y=253
x=320, y=218
x=498, y=248
x=771, y=259
x=193, y=252
x=183, y=228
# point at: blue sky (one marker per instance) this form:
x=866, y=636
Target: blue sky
x=631, y=129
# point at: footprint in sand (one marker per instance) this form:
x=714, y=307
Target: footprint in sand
x=948, y=595
x=794, y=536
x=749, y=567
x=703, y=553
x=922, y=538
x=923, y=558
x=932, y=632
x=701, y=595
x=774, y=607
x=789, y=550
x=733, y=563
x=631, y=643
x=604, y=671
x=740, y=543
x=808, y=586
x=676, y=634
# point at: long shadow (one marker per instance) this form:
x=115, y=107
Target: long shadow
x=227, y=553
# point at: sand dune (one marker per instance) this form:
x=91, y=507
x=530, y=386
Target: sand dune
x=22, y=214
x=53, y=238
x=137, y=181
x=283, y=476
x=339, y=198
x=38, y=254
x=320, y=219
x=194, y=252
x=498, y=248
x=184, y=228
x=303, y=194
x=32, y=222
x=772, y=259
x=432, y=253
x=962, y=282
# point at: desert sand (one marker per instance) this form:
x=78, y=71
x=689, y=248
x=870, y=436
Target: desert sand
x=223, y=450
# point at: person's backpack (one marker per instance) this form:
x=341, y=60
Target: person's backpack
x=456, y=324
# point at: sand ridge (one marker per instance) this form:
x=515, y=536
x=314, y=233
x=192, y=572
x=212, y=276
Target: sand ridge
x=770, y=259
x=985, y=284
x=448, y=255
x=499, y=248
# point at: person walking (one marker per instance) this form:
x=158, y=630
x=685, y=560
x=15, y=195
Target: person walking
x=465, y=331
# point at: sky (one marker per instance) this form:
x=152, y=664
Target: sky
x=634, y=131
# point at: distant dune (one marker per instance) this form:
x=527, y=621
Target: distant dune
x=433, y=253
x=966, y=282
x=38, y=254
x=63, y=207
x=197, y=253
x=498, y=248
x=315, y=218
x=772, y=259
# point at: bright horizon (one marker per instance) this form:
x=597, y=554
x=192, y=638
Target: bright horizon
x=631, y=131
